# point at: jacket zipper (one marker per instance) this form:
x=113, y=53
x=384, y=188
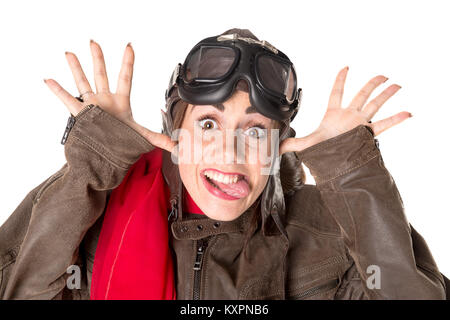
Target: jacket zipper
x=201, y=247
x=310, y=292
x=71, y=122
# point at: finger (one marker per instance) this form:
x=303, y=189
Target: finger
x=126, y=72
x=100, y=76
x=69, y=101
x=360, y=99
x=292, y=144
x=337, y=92
x=78, y=73
x=384, y=124
x=374, y=105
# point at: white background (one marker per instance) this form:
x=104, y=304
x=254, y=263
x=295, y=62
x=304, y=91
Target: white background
x=407, y=41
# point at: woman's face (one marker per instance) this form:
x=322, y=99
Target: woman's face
x=224, y=155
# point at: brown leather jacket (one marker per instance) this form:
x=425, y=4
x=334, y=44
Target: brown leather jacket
x=325, y=241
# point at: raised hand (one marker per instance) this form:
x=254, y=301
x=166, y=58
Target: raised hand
x=338, y=120
x=116, y=104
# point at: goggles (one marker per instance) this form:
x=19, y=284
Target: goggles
x=213, y=67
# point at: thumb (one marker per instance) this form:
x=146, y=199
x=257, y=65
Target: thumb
x=293, y=145
x=159, y=140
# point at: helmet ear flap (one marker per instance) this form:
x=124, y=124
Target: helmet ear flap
x=175, y=109
x=167, y=123
x=299, y=101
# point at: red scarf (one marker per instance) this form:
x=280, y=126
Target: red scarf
x=133, y=258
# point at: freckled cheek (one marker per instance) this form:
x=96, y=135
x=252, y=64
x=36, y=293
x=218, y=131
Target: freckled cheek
x=263, y=182
x=257, y=181
x=208, y=146
x=197, y=148
x=190, y=175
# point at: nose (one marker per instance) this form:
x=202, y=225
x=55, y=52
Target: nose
x=230, y=147
x=221, y=147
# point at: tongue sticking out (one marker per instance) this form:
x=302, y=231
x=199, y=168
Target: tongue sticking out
x=240, y=189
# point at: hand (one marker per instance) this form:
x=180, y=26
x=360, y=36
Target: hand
x=116, y=104
x=338, y=120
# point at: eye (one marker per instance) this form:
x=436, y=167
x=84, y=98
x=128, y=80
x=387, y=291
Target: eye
x=207, y=124
x=255, y=132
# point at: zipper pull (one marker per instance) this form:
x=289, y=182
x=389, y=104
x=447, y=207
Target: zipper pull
x=174, y=210
x=70, y=123
x=199, y=256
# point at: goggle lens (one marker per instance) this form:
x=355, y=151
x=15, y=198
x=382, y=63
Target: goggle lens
x=210, y=63
x=277, y=76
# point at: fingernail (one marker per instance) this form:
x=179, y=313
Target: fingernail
x=129, y=45
x=410, y=114
x=386, y=79
x=346, y=67
x=91, y=41
x=45, y=80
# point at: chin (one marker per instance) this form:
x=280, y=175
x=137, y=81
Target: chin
x=214, y=210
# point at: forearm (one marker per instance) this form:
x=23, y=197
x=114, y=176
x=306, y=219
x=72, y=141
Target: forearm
x=364, y=200
x=99, y=151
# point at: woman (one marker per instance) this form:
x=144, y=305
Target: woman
x=226, y=173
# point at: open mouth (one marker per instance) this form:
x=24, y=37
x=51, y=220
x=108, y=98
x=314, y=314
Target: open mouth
x=228, y=186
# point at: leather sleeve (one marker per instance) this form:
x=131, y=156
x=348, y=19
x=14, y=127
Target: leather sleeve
x=99, y=151
x=363, y=198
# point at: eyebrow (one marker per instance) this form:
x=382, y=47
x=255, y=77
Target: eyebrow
x=251, y=109
x=219, y=106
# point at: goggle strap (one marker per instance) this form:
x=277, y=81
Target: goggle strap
x=173, y=79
